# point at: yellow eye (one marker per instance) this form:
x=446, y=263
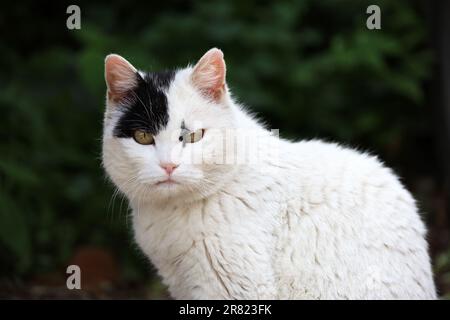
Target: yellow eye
x=143, y=137
x=194, y=136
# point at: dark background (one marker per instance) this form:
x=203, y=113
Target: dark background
x=310, y=68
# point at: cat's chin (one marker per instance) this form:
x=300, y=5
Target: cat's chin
x=168, y=191
x=164, y=190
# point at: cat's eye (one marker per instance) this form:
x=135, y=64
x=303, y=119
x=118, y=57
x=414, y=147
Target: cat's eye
x=143, y=137
x=192, y=137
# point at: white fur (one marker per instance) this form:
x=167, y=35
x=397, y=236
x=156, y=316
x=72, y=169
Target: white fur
x=328, y=223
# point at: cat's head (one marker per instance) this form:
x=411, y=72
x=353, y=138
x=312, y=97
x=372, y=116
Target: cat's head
x=164, y=131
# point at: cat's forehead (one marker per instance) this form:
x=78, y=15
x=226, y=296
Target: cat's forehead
x=160, y=80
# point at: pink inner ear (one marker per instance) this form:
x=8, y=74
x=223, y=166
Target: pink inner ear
x=120, y=76
x=209, y=74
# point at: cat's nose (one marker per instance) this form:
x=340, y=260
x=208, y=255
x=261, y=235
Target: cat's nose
x=168, y=167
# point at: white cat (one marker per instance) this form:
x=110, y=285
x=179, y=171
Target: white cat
x=307, y=220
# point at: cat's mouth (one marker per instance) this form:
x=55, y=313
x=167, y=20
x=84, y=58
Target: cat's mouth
x=169, y=181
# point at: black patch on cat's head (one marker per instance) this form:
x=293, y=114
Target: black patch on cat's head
x=145, y=107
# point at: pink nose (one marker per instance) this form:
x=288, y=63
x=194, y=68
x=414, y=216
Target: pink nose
x=168, y=167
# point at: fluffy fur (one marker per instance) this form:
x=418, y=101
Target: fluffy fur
x=312, y=220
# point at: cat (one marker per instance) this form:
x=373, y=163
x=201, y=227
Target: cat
x=306, y=220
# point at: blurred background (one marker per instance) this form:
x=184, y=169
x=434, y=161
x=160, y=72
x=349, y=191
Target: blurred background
x=310, y=68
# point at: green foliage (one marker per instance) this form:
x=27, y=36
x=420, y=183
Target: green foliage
x=310, y=68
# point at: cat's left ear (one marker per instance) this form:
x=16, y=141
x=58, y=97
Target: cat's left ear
x=208, y=75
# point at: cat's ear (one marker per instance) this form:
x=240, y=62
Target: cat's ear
x=208, y=75
x=120, y=76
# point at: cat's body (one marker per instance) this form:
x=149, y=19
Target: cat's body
x=325, y=227
x=312, y=220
